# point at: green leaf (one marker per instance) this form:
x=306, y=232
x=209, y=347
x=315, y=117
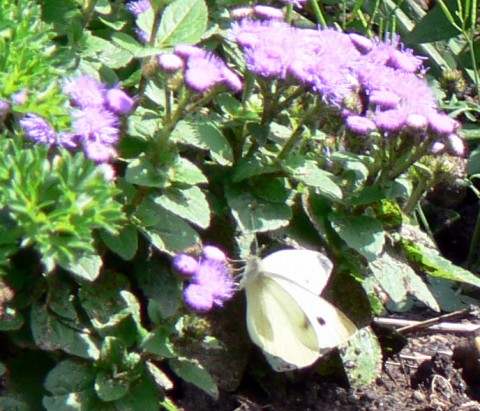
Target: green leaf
x=184, y=171
x=13, y=404
x=11, y=319
x=390, y=275
x=204, y=134
x=189, y=203
x=362, y=358
x=363, y=233
x=160, y=284
x=430, y=261
x=161, y=379
x=125, y=243
x=254, y=214
x=70, y=376
x=166, y=231
x=112, y=309
x=397, y=279
x=51, y=334
x=109, y=388
x=195, y=374
x=142, y=396
x=142, y=172
x=251, y=167
x=309, y=173
x=157, y=342
x=86, y=266
x=183, y=21
x=145, y=21
x=434, y=26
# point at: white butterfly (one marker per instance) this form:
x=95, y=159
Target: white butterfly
x=286, y=317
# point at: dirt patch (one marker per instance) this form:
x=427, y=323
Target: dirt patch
x=425, y=375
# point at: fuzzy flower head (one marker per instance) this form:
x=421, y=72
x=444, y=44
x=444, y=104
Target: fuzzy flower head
x=211, y=283
x=97, y=129
x=85, y=91
x=118, y=101
x=203, y=72
x=40, y=131
x=139, y=7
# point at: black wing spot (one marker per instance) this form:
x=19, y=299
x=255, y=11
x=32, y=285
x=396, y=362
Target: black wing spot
x=321, y=321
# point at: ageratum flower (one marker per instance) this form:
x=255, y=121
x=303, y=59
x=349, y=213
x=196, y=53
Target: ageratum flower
x=170, y=62
x=118, y=101
x=139, y=7
x=211, y=282
x=185, y=263
x=40, y=131
x=203, y=72
x=360, y=124
x=85, y=91
x=97, y=129
x=268, y=12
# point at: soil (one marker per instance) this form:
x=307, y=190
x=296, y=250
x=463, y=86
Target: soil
x=434, y=371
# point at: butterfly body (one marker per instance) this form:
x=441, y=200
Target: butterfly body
x=286, y=317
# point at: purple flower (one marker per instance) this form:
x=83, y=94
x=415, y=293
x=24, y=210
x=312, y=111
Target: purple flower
x=186, y=264
x=186, y=50
x=214, y=276
x=362, y=43
x=456, y=144
x=4, y=106
x=198, y=297
x=437, y=147
x=20, y=97
x=85, y=91
x=441, y=123
x=96, y=124
x=384, y=98
x=202, y=73
x=98, y=151
x=360, y=124
x=268, y=12
x=417, y=121
x=241, y=12
x=213, y=253
x=391, y=53
x=390, y=120
x=211, y=282
x=139, y=7
x=142, y=35
x=118, y=101
x=170, y=62
x=38, y=129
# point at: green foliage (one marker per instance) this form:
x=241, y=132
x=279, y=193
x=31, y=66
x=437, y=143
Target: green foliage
x=55, y=204
x=27, y=54
x=86, y=261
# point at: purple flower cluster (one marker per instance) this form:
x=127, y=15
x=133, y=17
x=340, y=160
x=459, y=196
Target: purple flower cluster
x=202, y=70
x=380, y=75
x=211, y=283
x=95, y=124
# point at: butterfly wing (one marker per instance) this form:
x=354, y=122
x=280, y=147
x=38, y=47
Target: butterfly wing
x=309, y=269
x=332, y=327
x=278, y=324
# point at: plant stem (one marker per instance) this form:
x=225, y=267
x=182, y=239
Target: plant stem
x=474, y=244
x=318, y=13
